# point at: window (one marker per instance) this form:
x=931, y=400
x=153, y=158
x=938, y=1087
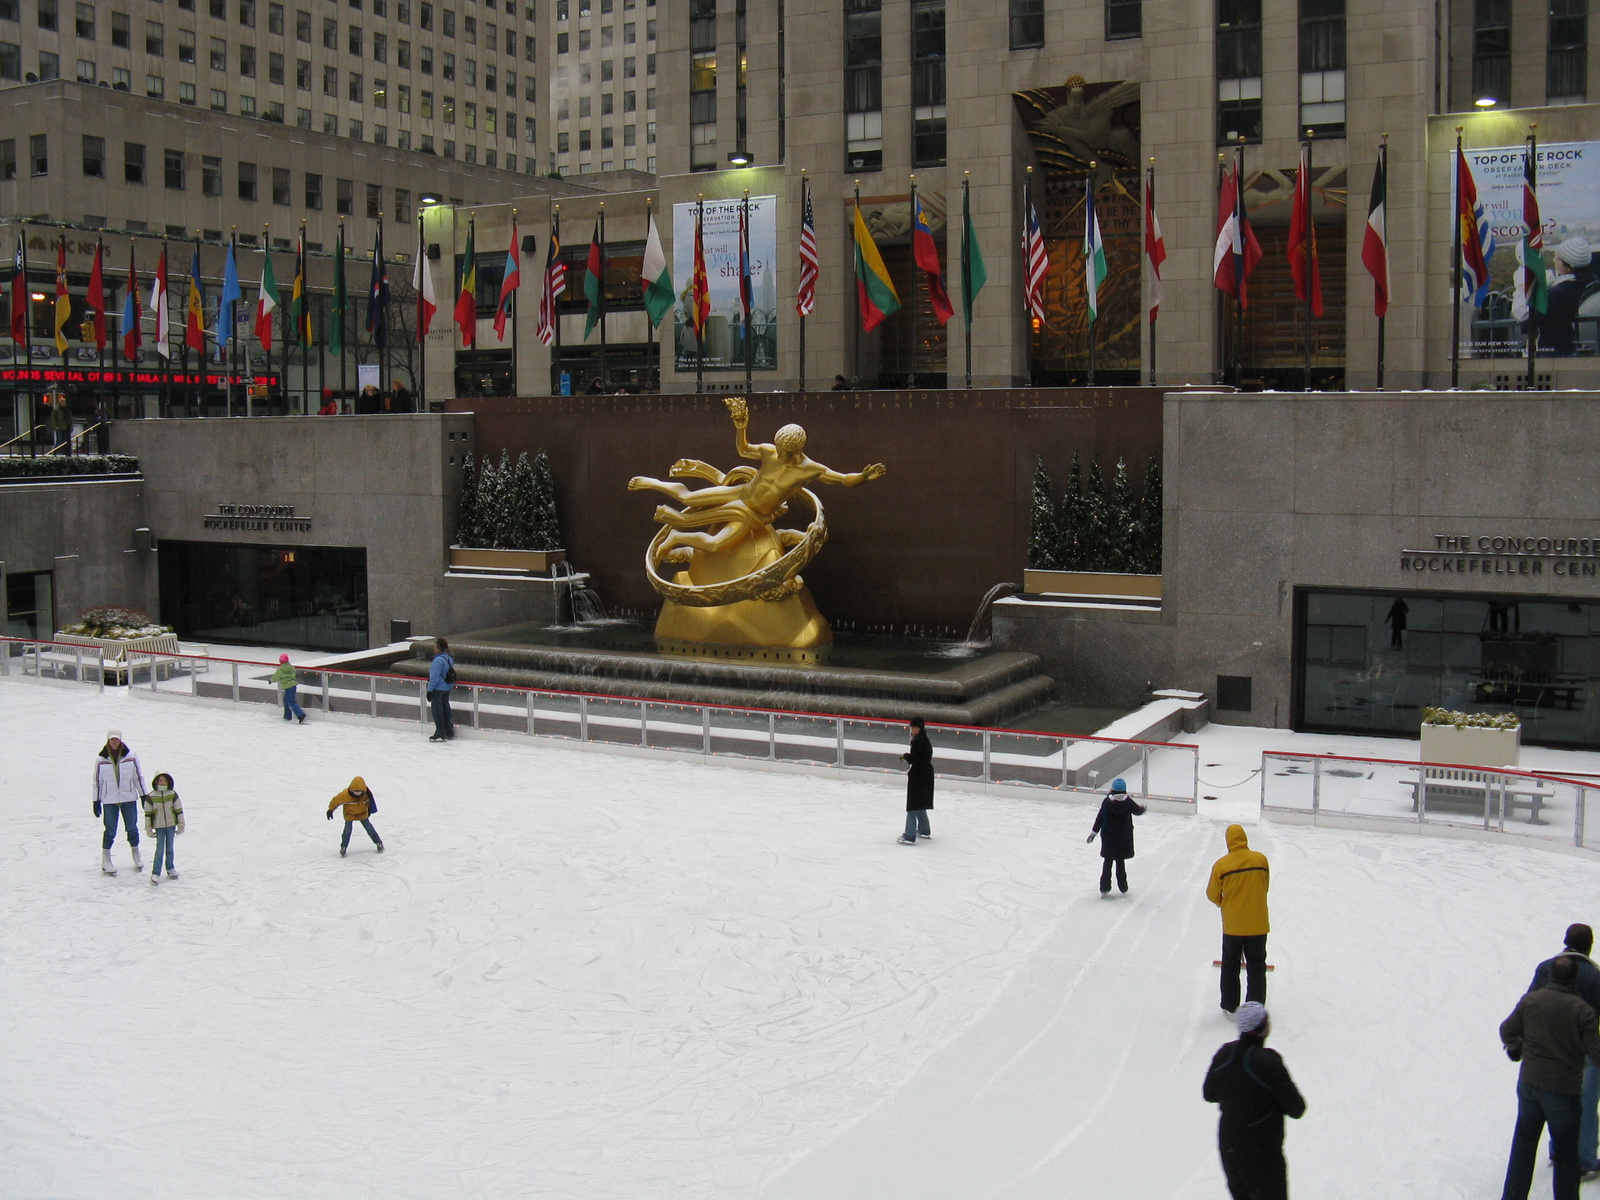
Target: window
x=529, y=48
x=425, y=59
x=927, y=83
x=584, y=142
x=489, y=125
x=607, y=140
x=94, y=157
x=606, y=104
x=630, y=102
x=448, y=110
x=247, y=181
x=8, y=159
x=353, y=90
x=380, y=135
x=403, y=139
x=374, y=201
x=344, y=197
x=529, y=128
x=49, y=18
x=155, y=87
x=583, y=106
x=630, y=34
x=469, y=72
x=302, y=74
x=447, y=66
x=219, y=54
x=302, y=118
x=247, y=13
x=402, y=97
x=630, y=68
x=426, y=106
x=630, y=135
x=469, y=30
x=1238, y=70
x=561, y=43
x=583, y=40
x=1027, y=24
x=280, y=186
x=39, y=154
x=1566, y=77
x=469, y=114
x=174, y=170
x=330, y=34
x=330, y=81
x=49, y=65
x=1491, y=50
x=219, y=100
x=448, y=27
x=425, y=16
x=491, y=81
x=274, y=67
x=1322, y=66
x=186, y=45
x=275, y=19
x=330, y=123
x=562, y=142
x=83, y=24
x=606, y=70
x=380, y=94
x=247, y=106
x=121, y=31
x=314, y=192
x=380, y=47
x=247, y=61
x=210, y=175
x=218, y=9
x=132, y=162
x=863, y=85
x=302, y=26
x=402, y=54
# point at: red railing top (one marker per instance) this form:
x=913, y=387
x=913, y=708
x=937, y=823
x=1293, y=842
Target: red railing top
x=1411, y=762
x=511, y=687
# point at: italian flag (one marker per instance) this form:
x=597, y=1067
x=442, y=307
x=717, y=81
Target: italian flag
x=266, y=301
x=657, y=279
x=874, y=291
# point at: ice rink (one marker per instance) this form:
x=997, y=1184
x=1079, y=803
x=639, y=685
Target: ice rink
x=581, y=974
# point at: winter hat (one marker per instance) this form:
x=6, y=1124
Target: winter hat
x=1575, y=252
x=1119, y=785
x=358, y=784
x=283, y=658
x=113, y=733
x=1251, y=1016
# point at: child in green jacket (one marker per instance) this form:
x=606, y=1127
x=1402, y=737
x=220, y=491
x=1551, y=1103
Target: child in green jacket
x=287, y=680
x=163, y=820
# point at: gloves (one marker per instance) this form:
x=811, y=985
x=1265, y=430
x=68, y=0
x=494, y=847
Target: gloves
x=97, y=808
x=1514, y=1051
x=1091, y=837
x=330, y=814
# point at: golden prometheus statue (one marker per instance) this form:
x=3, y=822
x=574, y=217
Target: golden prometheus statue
x=742, y=584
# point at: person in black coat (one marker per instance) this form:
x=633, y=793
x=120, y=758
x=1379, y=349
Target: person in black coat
x=1113, y=825
x=1252, y=1087
x=919, y=784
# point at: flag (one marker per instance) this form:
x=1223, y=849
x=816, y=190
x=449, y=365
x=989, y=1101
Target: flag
x=299, y=299
x=656, y=278
x=341, y=303
x=594, y=272
x=1094, y=252
x=467, y=297
x=745, y=304
x=973, y=275
x=422, y=281
x=927, y=257
x=1530, y=252
x=1477, y=241
x=95, y=297
x=266, y=301
x=1036, y=263
x=509, y=282
x=378, y=294
x=131, y=315
x=227, y=307
x=555, y=283
x=1237, y=251
x=1155, y=246
x=1375, y=241
x=194, y=322
x=19, y=295
x=806, y=297
x=158, y=307
x=1303, y=265
x=700, y=286
x=63, y=300
x=874, y=290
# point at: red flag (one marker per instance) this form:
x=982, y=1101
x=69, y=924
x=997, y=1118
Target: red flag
x=1375, y=242
x=1237, y=251
x=1155, y=246
x=927, y=256
x=132, y=314
x=700, y=289
x=467, y=297
x=1303, y=264
x=509, y=283
x=96, y=297
x=1473, y=265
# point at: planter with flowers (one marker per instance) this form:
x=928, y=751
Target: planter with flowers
x=1471, y=739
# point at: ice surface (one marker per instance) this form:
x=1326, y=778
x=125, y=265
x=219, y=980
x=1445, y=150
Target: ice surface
x=576, y=974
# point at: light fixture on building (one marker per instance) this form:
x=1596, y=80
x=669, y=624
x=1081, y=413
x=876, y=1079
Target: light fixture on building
x=38, y=297
x=429, y=199
x=1486, y=102
x=740, y=158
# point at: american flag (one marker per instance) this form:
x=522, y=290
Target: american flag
x=1037, y=263
x=555, y=282
x=807, y=296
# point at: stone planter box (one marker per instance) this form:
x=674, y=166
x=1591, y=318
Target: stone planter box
x=1091, y=583
x=524, y=562
x=1471, y=747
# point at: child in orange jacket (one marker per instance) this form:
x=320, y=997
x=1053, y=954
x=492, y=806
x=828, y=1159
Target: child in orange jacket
x=359, y=804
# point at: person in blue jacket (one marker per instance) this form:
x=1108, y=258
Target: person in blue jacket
x=441, y=679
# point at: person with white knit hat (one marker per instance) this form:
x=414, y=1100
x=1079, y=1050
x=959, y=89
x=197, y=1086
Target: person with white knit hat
x=1569, y=279
x=118, y=791
x=1254, y=1091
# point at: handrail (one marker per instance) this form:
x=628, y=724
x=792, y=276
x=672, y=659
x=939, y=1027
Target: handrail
x=20, y=436
x=1412, y=762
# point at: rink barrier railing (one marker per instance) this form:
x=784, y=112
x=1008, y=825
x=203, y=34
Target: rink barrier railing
x=1064, y=763
x=1442, y=796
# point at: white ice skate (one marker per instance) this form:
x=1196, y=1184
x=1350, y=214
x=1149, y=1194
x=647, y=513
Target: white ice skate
x=105, y=863
x=155, y=880
x=138, y=859
x=172, y=874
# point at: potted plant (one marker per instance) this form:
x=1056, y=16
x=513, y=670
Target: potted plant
x=1098, y=542
x=1471, y=739
x=118, y=630
x=508, y=519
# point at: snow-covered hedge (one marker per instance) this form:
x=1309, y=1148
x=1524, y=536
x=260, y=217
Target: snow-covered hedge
x=508, y=507
x=49, y=465
x=1465, y=720
x=122, y=624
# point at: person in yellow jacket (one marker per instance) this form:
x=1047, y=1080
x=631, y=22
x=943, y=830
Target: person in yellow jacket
x=1238, y=886
x=359, y=804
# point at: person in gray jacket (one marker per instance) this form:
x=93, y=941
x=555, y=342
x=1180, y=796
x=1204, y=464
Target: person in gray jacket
x=1550, y=1032
x=118, y=789
x=1578, y=942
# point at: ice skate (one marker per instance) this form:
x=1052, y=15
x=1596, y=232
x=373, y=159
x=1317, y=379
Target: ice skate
x=155, y=880
x=138, y=859
x=105, y=863
x=380, y=847
x=905, y=841
x=302, y=719
x=342, y=851
x=172, y=874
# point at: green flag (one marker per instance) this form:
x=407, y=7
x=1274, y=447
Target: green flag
x=336, y=329
x=658, y=297
x=594, y=282
x=973, y=275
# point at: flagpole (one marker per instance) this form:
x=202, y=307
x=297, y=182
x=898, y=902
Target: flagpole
x=1238, y=262
x=699, y=326
x=27, y=340
x=299, y=327
x=512, y=306
x=422, y=342
x=343, y=309
x=1310, y=263
x=805, y=198
x=1027, y=314
x=605, y=368
x=1149, y=190
x=913, y=374
x=165, y=344
x=62, y=390
x=1532, y=170
x=649, y=325
x=380, y=335
x=1455, y=287
x=1383, y=158
x=966, y=269
x=855, y=330
x=1088, y=211
x=197, y=384
x=233, y=320
x=555, y=306
x=747, y=299
x=100, y=342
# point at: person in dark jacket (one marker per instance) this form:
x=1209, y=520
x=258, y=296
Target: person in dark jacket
x=919, y=784
x=1252, y=1087
x=1579, y=941
x=1550, y=1032
x=1113, y=825
x=441, y=682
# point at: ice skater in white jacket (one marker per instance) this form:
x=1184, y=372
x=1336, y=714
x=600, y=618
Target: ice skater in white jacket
x=118, y=789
